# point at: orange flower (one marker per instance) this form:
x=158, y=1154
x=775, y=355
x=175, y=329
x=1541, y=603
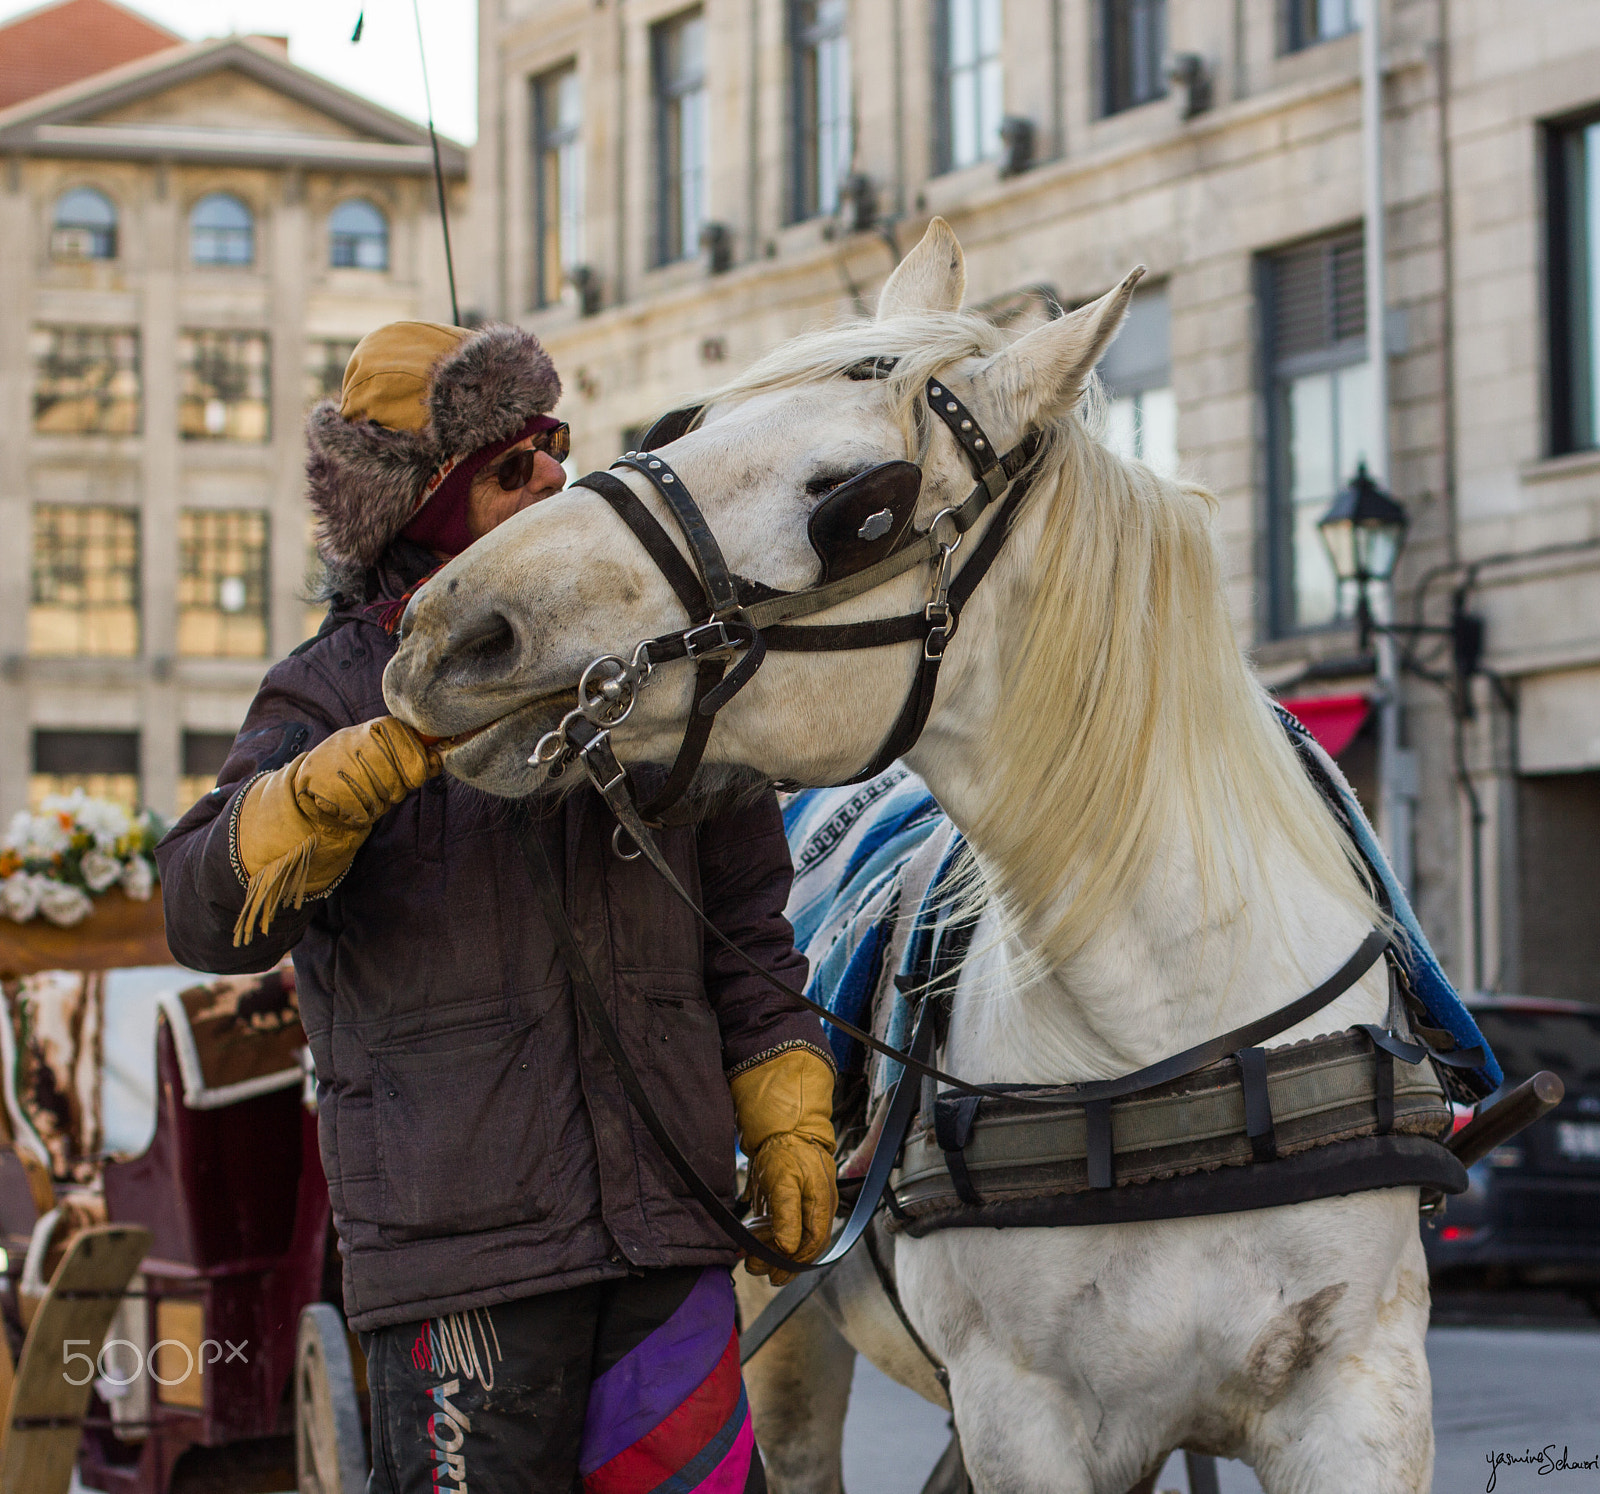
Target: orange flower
x=9, y=862
x=65, y=819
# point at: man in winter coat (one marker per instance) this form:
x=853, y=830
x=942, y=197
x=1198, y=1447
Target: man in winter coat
x=543, y=1305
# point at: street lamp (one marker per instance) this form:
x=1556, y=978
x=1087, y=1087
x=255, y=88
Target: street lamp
x=1363, y=531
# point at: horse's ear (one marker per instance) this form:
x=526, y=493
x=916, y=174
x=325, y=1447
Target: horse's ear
x=933, y=277
x=1045, y=373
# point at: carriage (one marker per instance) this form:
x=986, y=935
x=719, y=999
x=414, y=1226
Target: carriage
x=170, y=1111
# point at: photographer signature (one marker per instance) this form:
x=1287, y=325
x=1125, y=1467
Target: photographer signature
x=1545, y=1461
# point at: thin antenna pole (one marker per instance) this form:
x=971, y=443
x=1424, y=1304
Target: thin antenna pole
x=438, y=170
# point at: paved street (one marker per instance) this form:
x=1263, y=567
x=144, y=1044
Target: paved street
x=1511, y=1390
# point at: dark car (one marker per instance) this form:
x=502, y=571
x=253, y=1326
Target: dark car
x=1534, y=1202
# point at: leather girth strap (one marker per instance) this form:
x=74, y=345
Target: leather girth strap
x=1246, y=1110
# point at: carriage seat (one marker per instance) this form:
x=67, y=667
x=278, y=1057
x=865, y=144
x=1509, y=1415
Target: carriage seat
x=80, y=1082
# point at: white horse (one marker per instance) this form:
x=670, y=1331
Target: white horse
x=1159, y=871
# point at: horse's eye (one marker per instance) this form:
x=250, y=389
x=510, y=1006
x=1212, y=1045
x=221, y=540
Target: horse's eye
x=826, y=482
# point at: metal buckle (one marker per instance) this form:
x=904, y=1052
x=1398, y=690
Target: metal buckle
x=723, y=641
x=601, y=739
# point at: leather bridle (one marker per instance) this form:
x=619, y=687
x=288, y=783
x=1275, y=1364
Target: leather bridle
x=864, y=536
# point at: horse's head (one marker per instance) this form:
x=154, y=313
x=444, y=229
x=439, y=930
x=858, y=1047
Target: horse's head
x=493, y=647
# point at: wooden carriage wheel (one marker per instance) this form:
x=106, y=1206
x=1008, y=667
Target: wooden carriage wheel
x=330, y=1450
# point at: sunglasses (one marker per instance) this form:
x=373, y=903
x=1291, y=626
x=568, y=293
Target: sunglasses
x=516, y=469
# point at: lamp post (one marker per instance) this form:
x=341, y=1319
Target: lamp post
x=1363, y=532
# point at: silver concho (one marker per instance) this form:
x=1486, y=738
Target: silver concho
x=875, y=526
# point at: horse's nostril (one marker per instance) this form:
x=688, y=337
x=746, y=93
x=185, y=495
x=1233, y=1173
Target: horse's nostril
x=491, y=641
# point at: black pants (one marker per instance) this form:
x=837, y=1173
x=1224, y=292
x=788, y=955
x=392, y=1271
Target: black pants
x=493, y=1401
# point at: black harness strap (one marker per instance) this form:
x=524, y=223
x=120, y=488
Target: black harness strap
x=1102, y=1153
x=669, y=561
x=611, y=782
x=1258, y=1103
x=714, y=573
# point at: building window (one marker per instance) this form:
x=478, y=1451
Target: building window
x=1307, y=22
x=1574, y=194
x=222, y=231
x=104, y=764
x=85, y=592
x=824, y=137
x=969, y=83
x=557, y=182
x=204, y=753
x=358, y=236
x=85, y=381
x=85, y=226
x=1320, y=414
x=223, y=389
x=326, y=360
x=682, y=135
x=1141, y=414
x=222, y=584
x=1133, y=41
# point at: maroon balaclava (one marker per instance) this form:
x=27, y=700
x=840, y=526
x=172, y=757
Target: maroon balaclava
x=440, y=520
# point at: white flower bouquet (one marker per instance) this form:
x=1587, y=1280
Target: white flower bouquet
x=55, y=863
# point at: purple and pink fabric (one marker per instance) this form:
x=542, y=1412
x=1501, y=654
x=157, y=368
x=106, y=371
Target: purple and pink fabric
x=671, y=1416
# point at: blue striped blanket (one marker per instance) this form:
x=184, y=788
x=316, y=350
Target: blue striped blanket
x=852, y=847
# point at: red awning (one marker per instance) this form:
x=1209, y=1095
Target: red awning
x=1333, y=720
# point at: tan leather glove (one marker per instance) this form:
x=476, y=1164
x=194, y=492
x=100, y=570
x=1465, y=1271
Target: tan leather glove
x=300, y=827
x=785, y=1110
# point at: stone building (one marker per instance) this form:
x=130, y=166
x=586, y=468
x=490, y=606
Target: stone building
x=662, y=191
x=195, y=235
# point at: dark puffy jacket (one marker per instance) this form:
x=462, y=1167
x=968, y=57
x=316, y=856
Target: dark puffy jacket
x=478, y=1147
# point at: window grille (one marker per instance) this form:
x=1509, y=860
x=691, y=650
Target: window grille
x=223, y=388
x=1133, y=43
x=824, y=139
x=1320, y=415
x=358, y=236
x=1307, y=22
x=222, y=231
x=1574, y=292
x=558, y=181
x=682, y=135
x=84, y=597
x=971, y=82
x=222, y=583
x=104, y=764
x=86, y=381
x=85, y=226
x=326, y=360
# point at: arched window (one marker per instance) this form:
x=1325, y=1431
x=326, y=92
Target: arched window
x=358, y=237
x=222, y=231
x=85, y=226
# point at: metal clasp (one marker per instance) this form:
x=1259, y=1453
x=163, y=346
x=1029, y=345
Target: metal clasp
x=710, y=639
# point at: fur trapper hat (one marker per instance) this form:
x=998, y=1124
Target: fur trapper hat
x=417, y=396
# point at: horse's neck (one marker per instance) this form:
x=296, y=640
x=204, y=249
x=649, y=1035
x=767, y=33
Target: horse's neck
x=1164, y=975
x=1168, y=970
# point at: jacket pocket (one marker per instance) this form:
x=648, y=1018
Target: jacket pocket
x=677, y=1047
x=461, y=1137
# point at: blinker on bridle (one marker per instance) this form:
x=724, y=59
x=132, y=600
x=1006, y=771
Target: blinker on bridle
x=863, y=533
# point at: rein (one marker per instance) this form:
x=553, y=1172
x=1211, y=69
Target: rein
x=743, y=618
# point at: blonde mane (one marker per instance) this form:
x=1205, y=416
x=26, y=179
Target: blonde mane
x=1127, y=705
